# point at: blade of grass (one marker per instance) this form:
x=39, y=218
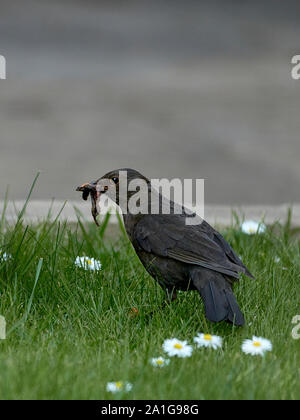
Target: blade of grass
x=3, y=214
x=21, y=213
x=24, y=318
x=104, y=224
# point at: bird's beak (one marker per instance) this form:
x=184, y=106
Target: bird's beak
x=90, y=188
x=83, y=186
x=87, y=188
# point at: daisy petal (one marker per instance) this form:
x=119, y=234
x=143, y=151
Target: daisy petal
x=258, y=346
x=118, y=386
x=209, y=341
x=159, y=362
x=4, y=256
x=88, y=263
x=251, y=227
x=174, y=347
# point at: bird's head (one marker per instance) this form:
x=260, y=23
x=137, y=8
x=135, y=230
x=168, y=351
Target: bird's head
x=119, y=185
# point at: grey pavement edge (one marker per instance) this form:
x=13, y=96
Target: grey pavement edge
x=221, y=215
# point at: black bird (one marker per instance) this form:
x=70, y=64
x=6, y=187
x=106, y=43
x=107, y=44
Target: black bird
x=177, y=255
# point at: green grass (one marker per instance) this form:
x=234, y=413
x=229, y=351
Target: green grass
x=69, y=331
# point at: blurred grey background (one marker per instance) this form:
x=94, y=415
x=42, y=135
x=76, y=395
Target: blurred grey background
x=189, y=89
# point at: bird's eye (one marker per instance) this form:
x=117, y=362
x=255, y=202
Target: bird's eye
x=115, y=179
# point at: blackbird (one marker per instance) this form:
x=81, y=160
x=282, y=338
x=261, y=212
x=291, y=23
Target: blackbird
x=178, y=255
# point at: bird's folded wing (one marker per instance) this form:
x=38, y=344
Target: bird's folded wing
x=170, y=237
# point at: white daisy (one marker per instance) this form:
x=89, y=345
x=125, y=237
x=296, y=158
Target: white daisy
x=277, y=260
x=4, y=256
x=174, y=347
x=88, y=263
x=257, y=346
x=118, y=386
x=207, y=340
x=159, y=362
x=251, y=227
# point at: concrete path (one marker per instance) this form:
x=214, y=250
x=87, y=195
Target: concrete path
x=220, y=215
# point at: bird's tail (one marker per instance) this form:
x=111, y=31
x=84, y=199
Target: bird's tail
x=219, y=301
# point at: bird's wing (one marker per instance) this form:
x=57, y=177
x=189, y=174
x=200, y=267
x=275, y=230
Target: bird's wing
x=221, y=241
x=169, y=236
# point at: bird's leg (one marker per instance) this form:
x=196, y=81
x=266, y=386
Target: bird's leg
x=170, y=295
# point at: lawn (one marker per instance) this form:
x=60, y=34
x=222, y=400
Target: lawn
x=70, y=331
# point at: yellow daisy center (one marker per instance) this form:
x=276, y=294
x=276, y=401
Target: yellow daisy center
x=207, y=337
x=257, y=344
x=159, y=362
x=178, y=346
x=89, y=262
x=118, y=384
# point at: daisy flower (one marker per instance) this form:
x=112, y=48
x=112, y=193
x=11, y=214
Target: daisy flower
x=4, y=256
x=251, y=227
x=174, y=347
x=88, y=263
x=159, y=362
x=118, y=386
x=207, y=340
x=257, y=346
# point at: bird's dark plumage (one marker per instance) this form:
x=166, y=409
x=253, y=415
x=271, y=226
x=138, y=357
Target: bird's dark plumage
x=181, y=257
x=211, y=264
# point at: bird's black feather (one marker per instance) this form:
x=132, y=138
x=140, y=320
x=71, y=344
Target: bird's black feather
x=219, y=301
x=169, y=236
